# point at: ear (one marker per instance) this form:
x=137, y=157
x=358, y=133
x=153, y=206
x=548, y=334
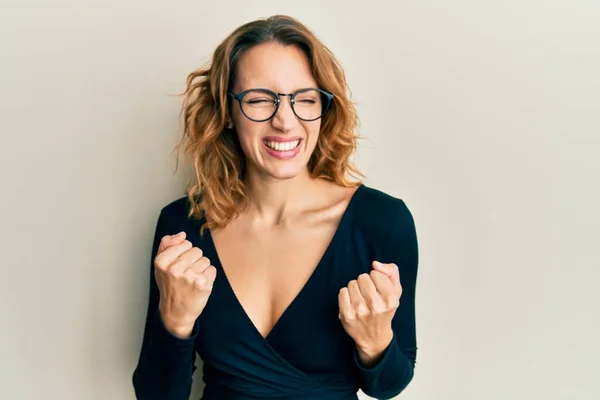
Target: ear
x=229, y=124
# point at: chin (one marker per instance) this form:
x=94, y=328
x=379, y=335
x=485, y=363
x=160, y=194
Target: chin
x=285, y=173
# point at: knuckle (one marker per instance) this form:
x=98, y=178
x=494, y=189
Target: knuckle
x=158, y=263
x=378, y=307
x=200, y=280
x=189, y=279
x=197, y=252
x=176, y=268
x=211, y=269
x=348, y=316
x=362, y=310
x=193, y=271
x=392, y=301
x=203, y=262
x=208, y=285
x=360, y=305
x=177, y=275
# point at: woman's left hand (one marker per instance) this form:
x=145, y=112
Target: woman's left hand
x=367, y=306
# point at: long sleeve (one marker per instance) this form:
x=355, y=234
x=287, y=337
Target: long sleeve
x=166, y=362
x=394, y=371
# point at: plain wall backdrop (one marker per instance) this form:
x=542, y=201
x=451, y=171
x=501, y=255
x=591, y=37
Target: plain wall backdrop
x=482, y=115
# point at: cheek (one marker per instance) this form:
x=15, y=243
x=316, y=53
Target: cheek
x=313, y=131
x=248, y=135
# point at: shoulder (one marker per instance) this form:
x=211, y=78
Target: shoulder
x=379, y=214
x=176, y=208
x=373, y=206
x=174, y=216
x=384, y=226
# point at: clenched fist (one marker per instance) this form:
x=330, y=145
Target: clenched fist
x=185, y=279
x=367, y=307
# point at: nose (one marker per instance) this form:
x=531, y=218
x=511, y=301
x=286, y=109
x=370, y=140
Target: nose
x=284, y=119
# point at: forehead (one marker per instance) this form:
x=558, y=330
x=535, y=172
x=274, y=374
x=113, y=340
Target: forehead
x=274, y=66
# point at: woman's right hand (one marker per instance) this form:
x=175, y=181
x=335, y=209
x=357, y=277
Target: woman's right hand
x=185, y=279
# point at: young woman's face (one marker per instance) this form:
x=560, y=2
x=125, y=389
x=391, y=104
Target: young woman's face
x=280, y=147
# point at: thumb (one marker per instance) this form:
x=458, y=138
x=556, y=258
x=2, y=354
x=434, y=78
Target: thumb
x=171, y=240
x=390, y=270
x=176, y=238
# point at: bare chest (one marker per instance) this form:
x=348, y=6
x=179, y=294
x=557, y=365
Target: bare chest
x=267, y=271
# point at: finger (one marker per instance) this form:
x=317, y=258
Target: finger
x=385, y=288
x=210, y=273
x=347, y=312
x=172, y=253
x=198, y=266
x=382, y=283
x=170, y=240
x=205, y=279
x=390, y=270
x=357, y=300
x=185, y=260
x=191, y=255
x=369, y=291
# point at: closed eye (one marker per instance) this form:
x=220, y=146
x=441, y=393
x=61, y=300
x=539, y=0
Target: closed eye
x=257, y=101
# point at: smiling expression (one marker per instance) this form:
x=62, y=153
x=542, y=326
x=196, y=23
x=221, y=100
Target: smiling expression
x=281, y=147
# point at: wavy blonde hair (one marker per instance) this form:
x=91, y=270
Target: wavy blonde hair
x=217, y=189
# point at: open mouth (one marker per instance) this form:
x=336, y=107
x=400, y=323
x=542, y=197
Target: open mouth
x=282, y=146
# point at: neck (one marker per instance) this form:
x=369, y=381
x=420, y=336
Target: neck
x=272, y=201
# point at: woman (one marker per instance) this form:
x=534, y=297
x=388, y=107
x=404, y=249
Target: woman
x=289, y=277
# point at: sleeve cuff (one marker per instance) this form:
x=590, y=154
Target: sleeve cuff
x=163, y=334
x=376, y=368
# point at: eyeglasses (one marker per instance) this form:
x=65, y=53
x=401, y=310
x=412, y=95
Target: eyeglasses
x=260, y=105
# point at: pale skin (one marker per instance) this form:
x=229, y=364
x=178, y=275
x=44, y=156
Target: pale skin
x=289, y=221
x=185, y=278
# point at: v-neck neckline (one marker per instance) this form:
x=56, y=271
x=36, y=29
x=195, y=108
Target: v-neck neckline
x=216, y=261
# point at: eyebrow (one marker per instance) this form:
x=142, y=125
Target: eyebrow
x=278, y=92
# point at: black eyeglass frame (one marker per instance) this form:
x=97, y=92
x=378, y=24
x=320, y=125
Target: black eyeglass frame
x=240, y=96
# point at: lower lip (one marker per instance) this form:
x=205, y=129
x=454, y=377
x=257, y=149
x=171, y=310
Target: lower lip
x=283, y=155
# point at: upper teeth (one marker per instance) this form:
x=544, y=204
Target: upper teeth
x=283, y=146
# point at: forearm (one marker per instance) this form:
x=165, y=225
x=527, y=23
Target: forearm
x=386, y=374
x=166, y=365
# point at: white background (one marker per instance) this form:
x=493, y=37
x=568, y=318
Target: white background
x=482, y=115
